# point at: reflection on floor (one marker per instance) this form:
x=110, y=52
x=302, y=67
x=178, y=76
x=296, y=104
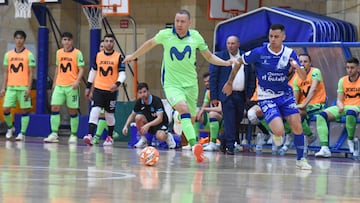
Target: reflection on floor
x=37, y=172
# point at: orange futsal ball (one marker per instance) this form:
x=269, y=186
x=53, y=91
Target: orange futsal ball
x=149, y=156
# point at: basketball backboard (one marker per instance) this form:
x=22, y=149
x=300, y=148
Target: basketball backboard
x=3, y=2
x=46, y=1
x=115, y=7
x=224, y=9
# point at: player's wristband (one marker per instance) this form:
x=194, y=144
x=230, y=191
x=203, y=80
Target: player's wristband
x=88, y=85
x=118, y=83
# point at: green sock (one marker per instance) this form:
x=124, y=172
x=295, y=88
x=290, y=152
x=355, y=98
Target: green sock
x=350, y=125
x=55, y=121
x=214, y=130
x=287, y=128
x=8, y=120
x=101, y=127
x=24, y=123
x=196, y=126
x=74, y=124
x=306, y=128
x=322, y=130
x=265, y=124
x=188, y=129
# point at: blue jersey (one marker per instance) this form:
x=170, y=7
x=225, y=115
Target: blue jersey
x=271, y=70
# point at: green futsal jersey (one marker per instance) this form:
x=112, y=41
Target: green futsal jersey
x=179, y=58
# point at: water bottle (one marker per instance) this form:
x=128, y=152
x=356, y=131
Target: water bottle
x=356, y=148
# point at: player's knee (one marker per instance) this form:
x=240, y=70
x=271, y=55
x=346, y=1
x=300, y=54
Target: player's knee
x=351, y=112
x=110, y=119
x=324, y=115
x=94, y=114
x=252, y=116
x=161, y=135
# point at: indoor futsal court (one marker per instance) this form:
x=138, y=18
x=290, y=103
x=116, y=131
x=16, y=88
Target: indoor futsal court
x=32, y=171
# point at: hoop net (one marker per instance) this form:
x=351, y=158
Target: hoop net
x=23, y=8
x=94, y=15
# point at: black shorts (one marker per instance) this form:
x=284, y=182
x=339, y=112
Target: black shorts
x=154, y=129
x=104, y=99
x=250, y=104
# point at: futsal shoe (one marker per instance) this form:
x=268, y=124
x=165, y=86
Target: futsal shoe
x=88, y=139
x=198, y=152
x=186, y=147
x=170, y=141
x=303, y=164
x=52, y=138
x=351, y=145
x=72, y=139
x=20, y=137
x=210, y=147
x=324, y=152
x=108, y=141
x=9, y=133
x=96, y=139
x=142, y=143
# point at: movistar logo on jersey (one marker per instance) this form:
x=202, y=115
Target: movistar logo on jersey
x=16, y=69
x=104, y=72
x=352, y=96
x=180, y=55
x=65, y=68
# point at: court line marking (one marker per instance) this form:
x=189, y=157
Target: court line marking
x=122, y=175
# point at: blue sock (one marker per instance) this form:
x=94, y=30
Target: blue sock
x=299, y=144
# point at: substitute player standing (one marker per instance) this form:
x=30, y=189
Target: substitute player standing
x=107, y=74
x=69, y=71
x=19, y=64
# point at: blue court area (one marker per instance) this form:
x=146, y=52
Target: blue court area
x=35, y=172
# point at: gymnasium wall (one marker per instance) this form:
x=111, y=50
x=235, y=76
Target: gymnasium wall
x=150, y=16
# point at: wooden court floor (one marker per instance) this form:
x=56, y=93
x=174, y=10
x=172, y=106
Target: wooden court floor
x=37, y=172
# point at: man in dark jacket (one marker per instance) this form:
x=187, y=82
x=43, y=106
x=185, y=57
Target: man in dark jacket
x=232, y=105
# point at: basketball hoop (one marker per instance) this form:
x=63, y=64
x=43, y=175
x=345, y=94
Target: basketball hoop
x=94, y=15
x=233, y=13
x=23, y=8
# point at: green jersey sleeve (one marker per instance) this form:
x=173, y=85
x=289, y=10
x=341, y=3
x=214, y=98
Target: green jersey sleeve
x=6, y=62
x=80, y=59
x=32, y=61
x=316, y=75
x=340, y=86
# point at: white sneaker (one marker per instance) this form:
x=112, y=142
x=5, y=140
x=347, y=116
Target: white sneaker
x=260, y=139
x=108, y=141
x=72, y=139
x=289, y=140
x=210, y=147
x=283, y=150
x=351, y=145
x=186, y=147
x=303, y=164
x=324, y=152
x=142, y=143
x=277, y=140
x=88, y=139
x=170, y=141
x=20, y=137
x=9, y=133
x=52, y=138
